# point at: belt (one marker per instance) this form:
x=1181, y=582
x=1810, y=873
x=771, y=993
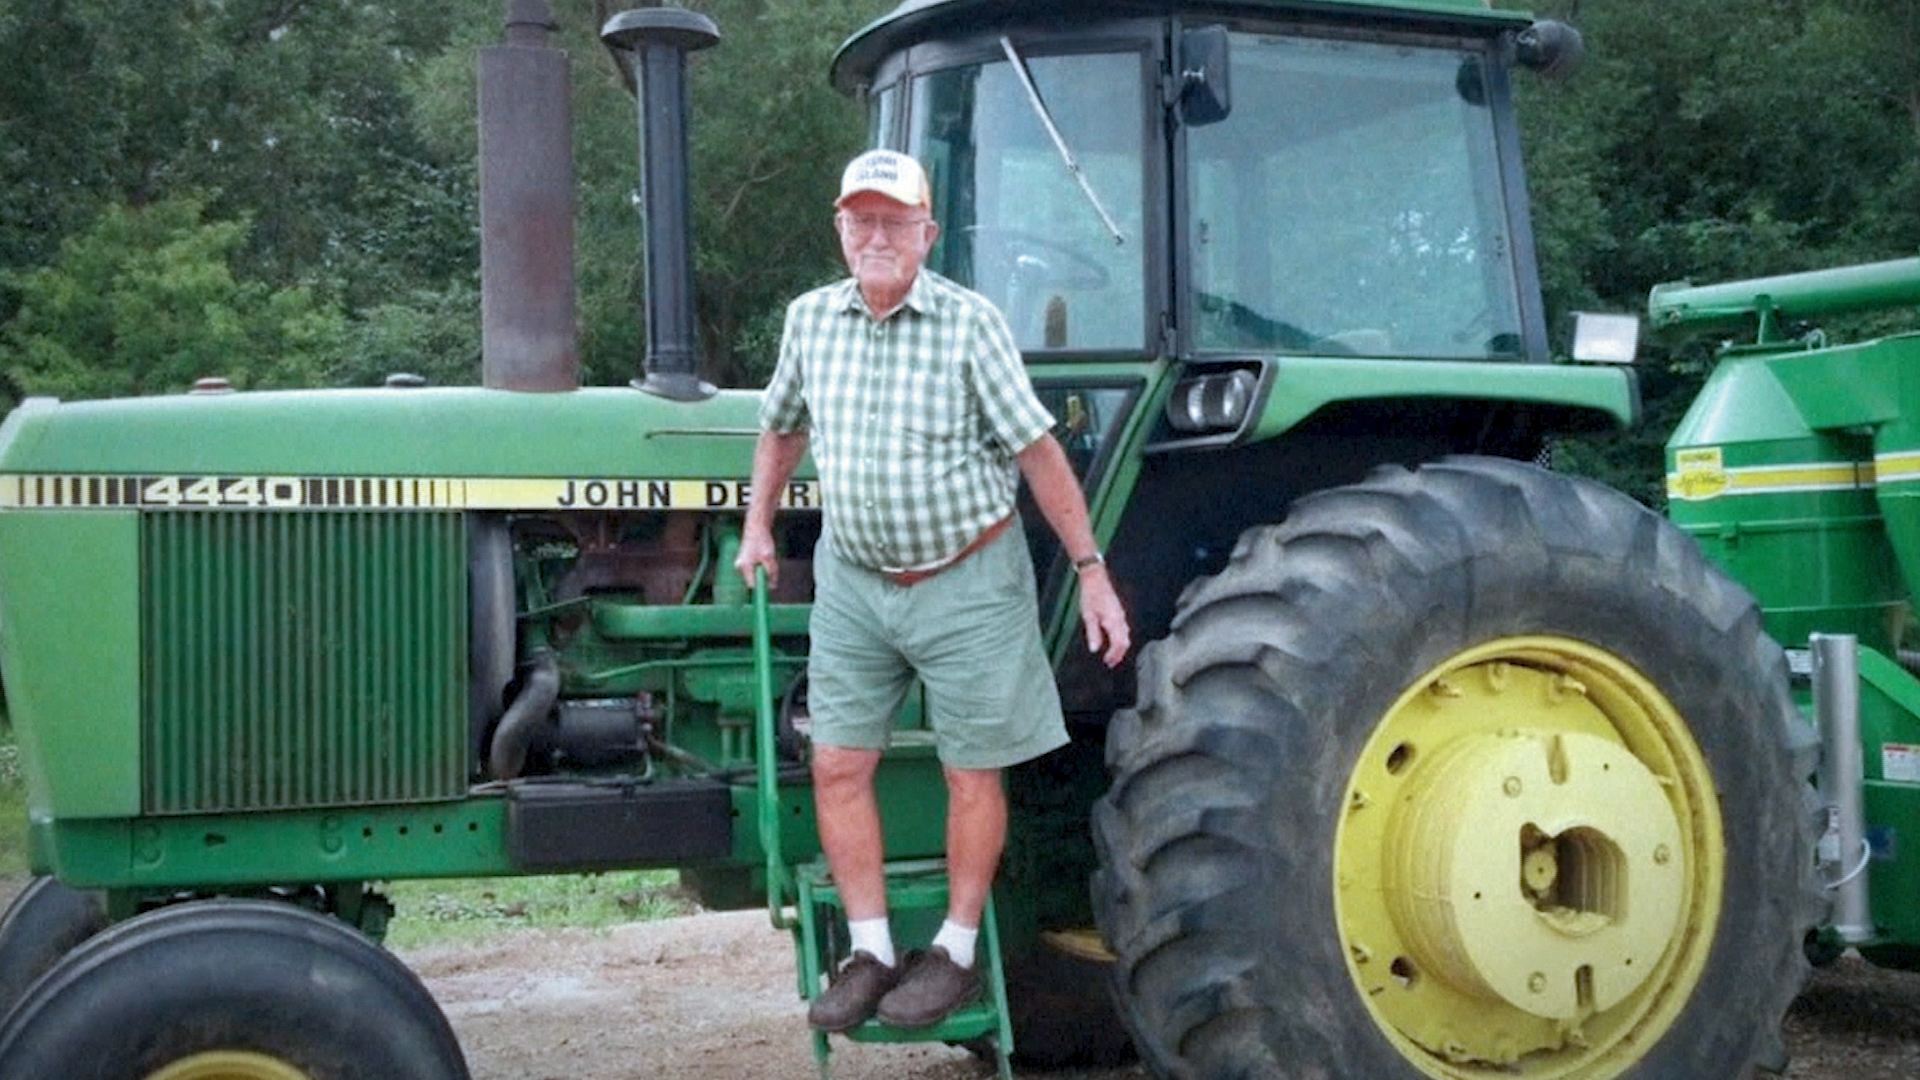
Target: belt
x=915, y=577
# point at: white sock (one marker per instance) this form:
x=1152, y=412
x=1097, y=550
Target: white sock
x=872, y=936
x=958, y=941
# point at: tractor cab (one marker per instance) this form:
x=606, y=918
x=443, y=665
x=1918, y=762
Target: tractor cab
x=1187, y=180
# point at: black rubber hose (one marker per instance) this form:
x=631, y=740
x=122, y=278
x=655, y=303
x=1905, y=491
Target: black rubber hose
x=508, y=754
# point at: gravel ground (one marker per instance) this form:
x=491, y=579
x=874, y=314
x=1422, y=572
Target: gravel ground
x=706, y=997
x=713, y=997
x=1856, y=1022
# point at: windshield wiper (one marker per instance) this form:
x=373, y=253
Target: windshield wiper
x=1059, y=143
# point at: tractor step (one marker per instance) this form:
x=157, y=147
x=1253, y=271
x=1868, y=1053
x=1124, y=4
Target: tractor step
x=916, y=903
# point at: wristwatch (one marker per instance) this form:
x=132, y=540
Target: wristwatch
x=1086, y=562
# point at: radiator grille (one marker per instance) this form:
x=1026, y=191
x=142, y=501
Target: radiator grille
x=302, y=659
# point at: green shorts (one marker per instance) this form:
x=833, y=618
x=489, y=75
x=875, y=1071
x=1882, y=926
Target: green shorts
x=970, y=632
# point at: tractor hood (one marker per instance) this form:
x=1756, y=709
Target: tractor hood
x=278, y=449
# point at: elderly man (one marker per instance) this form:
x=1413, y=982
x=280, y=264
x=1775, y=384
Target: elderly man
x=911, y=394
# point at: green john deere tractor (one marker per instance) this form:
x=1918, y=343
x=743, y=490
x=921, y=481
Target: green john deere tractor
x=1435, y=763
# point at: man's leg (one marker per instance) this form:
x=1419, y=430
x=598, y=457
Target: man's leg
x=976, y=833
x=849, y=821
x=943, y=978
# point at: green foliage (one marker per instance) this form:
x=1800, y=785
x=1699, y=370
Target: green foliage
x=430, y=912
x=288, y=113
x=327, y=148
x=285, y=123
x=13, y=806
x=771, y=140
x=1710, y=140
x=146, y=301
x=768, y=138
x=429, y=332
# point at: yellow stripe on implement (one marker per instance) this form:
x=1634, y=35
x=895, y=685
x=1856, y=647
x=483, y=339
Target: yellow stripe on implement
x=1899, y=467
x=1699, y=474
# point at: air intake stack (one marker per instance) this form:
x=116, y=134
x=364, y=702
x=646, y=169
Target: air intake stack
x=651, y=46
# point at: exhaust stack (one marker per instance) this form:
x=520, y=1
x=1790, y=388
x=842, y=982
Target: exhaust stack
x=527, y=339
x=651, y=47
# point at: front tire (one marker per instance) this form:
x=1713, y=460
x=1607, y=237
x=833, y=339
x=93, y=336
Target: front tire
x=233, y=990
x=1470, y=771
x=44, y=923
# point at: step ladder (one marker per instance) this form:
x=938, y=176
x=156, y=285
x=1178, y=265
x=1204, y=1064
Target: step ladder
x=916, y=900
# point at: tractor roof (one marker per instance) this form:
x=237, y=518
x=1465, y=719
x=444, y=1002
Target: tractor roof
x=915, y=21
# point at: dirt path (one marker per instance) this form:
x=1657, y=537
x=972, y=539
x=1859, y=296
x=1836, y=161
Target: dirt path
x=708, y=997
x=712, y=997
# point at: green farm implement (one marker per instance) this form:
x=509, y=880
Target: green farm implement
x=1798, y=470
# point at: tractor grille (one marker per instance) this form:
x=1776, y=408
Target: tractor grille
x=302, y=659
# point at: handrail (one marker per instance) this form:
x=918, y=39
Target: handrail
x=766, y=754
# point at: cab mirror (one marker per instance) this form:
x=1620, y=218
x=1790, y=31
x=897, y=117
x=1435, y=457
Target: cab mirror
x=1551, y=48
x=1205, y=91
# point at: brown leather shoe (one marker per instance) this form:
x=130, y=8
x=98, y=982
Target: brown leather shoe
x=852, y=993
x=931, y=987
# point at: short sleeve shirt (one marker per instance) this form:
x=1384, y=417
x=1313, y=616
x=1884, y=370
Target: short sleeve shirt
x=914, y=421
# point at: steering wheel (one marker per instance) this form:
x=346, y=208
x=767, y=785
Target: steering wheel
x=1015, y=256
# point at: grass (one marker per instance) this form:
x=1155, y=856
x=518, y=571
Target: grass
x=431, y=912
x=434, y=912
x=13, y=805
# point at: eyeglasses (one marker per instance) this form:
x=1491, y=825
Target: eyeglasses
x=861, y=226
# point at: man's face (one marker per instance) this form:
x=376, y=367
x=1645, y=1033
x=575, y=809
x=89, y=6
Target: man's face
x=884, y=242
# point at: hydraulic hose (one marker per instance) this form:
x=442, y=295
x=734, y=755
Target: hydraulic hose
x=508, y=754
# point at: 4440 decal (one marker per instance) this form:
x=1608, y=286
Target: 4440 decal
x=81, y=492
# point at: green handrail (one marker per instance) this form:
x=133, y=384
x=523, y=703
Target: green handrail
x=766, y=756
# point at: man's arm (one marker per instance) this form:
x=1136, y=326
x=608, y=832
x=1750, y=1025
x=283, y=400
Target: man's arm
x=1057, y=492
x=775, y=457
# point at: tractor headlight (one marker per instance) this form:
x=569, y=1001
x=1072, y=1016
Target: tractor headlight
x=1211, y=403
x=1605, y=339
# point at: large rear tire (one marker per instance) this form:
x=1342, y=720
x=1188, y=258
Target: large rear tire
x=233, y=990
x=1464, y=772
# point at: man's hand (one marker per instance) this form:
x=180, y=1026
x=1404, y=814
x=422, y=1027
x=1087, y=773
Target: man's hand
x=1105, y=620
x=775, y=456
x=756, y=549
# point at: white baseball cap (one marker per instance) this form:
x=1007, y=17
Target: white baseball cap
x=889, y=173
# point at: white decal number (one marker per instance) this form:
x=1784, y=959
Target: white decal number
x=222, y=491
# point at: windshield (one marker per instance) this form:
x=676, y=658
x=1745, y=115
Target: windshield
x=1015, y=222
x=1350, y=203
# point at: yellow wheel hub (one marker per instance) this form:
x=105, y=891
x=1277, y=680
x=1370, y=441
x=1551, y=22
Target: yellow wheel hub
x=229, y=1065
x=1529, y=864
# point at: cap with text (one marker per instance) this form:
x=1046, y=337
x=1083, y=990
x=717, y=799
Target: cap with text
x=889, y=173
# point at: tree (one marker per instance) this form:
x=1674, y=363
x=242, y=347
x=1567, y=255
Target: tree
x=768, y=137
x=1709, y=140
x=289, y=113
x=146, y=302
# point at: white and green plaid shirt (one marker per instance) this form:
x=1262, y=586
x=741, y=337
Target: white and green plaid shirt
x=914, y=422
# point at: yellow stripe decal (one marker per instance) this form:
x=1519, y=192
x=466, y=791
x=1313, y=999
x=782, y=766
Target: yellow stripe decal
x=92, y=492
x=1700, y=474
x=1895, y=468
